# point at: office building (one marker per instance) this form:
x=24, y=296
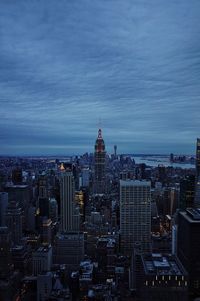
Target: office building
x=21, y=258
x=80, y=203
x=162, y=278
x=135, y=215
x=127, y=175
x=42, y=259
x=46, y=231
x=188, y=246
x=198, y=157
x=3, y=207
x=85, y=176
x=53, y=210
x=43, y=200
x=31, y=223
x=69, y=249
x=19, y=193
x=99, y=164
x=115, y=151
x=13, y=220
x=17, y=176
x=174, y=200
x=44, y=286
x=161, y=173
x=5, y=253
x=86, y=274
x=197, y=184
x=174, y=239
x=69, y=210
x=187, y=192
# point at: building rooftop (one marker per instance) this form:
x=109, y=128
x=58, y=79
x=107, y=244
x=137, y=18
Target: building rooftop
x=192, y=215
x=17, y=248
x=70, y=235
x=135, y=183
x=43, y=249
x=4, y=230
x=11, y=185
x=158, y=264
x=111, y=242
x=86, y=268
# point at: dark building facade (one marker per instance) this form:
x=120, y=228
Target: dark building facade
x=43, y=200
x=17, y=177
x=99, y=164
x=198, y=157
x=14, y=218
x=187, y=192
x=5, y=254
x=197, y=188
x=162, y=278
x=188, y=247
x=19, y=193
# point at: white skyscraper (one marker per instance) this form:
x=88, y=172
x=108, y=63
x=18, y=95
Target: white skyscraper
x=69, y=212
x=135, y=215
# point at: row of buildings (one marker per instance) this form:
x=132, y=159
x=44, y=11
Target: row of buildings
x=111, y=239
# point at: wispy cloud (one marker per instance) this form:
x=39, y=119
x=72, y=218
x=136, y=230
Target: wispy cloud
x=65, y=64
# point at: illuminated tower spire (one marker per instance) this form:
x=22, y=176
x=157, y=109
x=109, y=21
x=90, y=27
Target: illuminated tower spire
x=99, y=158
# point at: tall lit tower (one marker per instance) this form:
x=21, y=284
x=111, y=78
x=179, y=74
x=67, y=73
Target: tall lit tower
x=99, y=158
x=197, y=188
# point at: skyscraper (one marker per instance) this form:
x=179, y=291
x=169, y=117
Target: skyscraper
x=162, y=278
x=17, y=176
x=99, y=164
x=43, y=200
x=198, y=157
x=187, y=192
x=42, y=259
x=188, y=246
x=13, y=220
x=135, y=215
x=44, y=286
x=5, y=254
x=85, y=177
x=197, y=187
x=3, y=206
x=115, y=151
x=69, y=212
x=69, y=249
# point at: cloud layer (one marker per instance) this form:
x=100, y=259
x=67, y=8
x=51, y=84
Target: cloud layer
x=65, y=64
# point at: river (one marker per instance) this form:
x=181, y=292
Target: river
x=162, y=160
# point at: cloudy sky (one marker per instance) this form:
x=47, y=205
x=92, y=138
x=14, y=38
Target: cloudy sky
x=134, y=64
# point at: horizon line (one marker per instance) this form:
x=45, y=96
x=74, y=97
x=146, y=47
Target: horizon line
x=74, y=155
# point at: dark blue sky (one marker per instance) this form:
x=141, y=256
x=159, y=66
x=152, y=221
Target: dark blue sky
x=64, y=64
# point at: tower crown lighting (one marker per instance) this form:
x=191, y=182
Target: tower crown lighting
x=99, y=162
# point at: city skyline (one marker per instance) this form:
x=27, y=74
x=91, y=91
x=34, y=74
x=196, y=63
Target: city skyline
x=65, y=65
